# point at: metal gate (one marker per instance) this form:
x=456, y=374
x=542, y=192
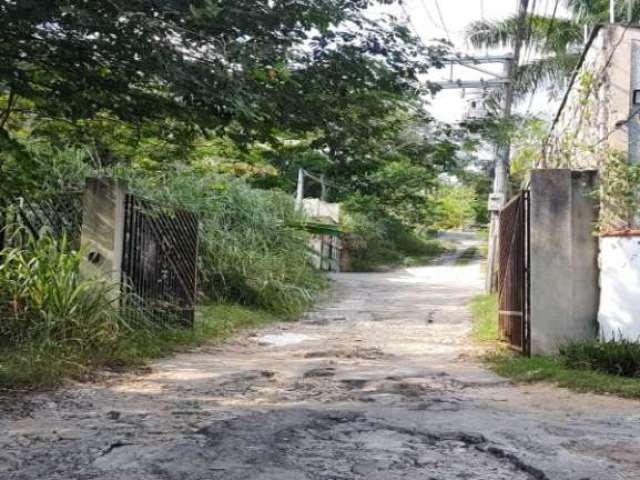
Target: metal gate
x=159, y=262
x=513, y=273
x=56, y=214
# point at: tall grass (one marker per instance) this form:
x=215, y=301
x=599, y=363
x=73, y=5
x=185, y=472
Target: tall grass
x=56, y=323
x=51, y=317
x=251, y=251
x=45, y=297
x=484, y=310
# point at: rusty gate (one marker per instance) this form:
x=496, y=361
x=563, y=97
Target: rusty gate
x=159, y=262
x=513, y=273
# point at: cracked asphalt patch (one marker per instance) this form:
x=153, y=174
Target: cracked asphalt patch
x=378, y=382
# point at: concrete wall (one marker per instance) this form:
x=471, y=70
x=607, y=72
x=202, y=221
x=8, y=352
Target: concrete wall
x=103, y=228
x=321, y=211
x=564, y=270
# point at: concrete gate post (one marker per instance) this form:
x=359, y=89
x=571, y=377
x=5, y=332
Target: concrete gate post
x=103, y=228
x=564, y=258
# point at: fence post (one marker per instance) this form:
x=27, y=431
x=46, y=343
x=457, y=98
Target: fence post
x=102, y=237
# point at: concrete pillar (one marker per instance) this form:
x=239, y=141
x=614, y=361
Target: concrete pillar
x=564, y=252
x=102, y=237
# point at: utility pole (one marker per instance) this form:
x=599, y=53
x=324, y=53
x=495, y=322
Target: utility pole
x=612, y=11
x=503, y=152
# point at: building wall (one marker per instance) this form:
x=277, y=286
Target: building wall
x=588, y=129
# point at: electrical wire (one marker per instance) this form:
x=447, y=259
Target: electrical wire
x=444, y=24
x=429, y=16
x=412, y=25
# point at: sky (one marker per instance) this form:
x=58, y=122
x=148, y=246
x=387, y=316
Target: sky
x=432, y=19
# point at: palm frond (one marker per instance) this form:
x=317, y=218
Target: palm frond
x=596, y=11
x=550, y=72
x=545, y=34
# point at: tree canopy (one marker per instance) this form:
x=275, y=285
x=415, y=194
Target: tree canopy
x=253, y=67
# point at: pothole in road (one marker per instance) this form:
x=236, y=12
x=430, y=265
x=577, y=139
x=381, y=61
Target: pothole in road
x=316, y=445
x=364, y=353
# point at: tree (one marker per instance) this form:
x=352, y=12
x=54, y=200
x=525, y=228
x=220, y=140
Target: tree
x=555, y=40
x=455, y=207
x=178, y=69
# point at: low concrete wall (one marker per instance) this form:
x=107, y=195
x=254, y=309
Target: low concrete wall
x=564, y=252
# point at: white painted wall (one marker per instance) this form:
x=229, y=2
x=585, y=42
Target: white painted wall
x=619, y=314
x=321, y=211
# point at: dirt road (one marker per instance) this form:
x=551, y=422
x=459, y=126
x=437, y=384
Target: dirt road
x=378, y=384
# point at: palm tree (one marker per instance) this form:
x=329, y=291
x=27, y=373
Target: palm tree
x=555, y=43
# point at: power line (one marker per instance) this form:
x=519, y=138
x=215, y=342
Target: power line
x=530, y=32
x=429, y=16
x=412, y=25
x=444, y=25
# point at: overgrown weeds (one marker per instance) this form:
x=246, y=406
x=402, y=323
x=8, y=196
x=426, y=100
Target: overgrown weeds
x=252, y=250
x=56, y=323
x=45, y=298
x=51, y=317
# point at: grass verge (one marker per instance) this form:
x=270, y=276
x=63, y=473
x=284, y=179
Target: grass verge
x=484, y=309
x=37, y=366
x=553, y=370
x=560, y=370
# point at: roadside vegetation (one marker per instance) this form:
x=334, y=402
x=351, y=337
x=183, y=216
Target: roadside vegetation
x=189, y=114
x=57, y=323
x=384, y=243
x=605, y=367
x=484, y=309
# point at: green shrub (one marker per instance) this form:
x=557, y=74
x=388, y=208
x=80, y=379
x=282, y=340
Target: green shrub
x=615, y=357
x=455, y=207
x=377, y=241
